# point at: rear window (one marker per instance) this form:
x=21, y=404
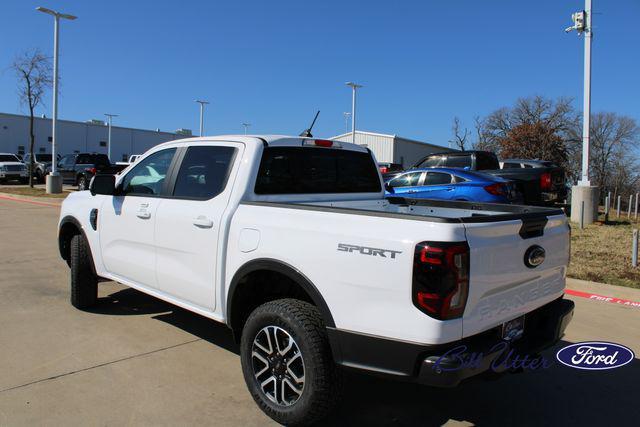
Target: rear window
x=300, y=170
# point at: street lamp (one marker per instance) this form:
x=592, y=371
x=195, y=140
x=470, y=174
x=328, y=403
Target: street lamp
x=346, y=115
x=354, y=87
x=53, y=180
x=109, y=116
x=584, y=192
x=202, y=104
x=246, y=125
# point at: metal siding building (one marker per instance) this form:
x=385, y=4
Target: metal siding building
x=393, y=148
x=77, y=137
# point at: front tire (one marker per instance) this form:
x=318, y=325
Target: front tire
x=84, y=283
x=287, y=362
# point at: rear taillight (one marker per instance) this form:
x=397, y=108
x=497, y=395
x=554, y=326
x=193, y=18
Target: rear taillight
x=384, y=169
x=91, y=170
x=441, y=278
x=497, y=189
x=545, y=181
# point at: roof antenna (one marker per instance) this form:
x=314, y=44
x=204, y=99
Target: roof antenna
x=307, y=133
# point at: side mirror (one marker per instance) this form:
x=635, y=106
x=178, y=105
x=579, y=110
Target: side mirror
x=103, y=184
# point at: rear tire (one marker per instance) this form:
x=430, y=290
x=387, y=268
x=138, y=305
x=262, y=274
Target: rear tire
x=295, y=382
x=84, y=283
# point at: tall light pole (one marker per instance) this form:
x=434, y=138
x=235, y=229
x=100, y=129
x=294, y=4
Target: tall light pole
x=346, y=115
x=109, y=117
x=202, y=104
x=246, y=125
x=53, y=180
x=354, y=87
x=584, y=192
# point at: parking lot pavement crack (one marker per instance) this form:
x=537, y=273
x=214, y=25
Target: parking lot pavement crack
x=100, y=365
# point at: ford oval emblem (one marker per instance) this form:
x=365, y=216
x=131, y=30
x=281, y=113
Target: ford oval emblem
x=595, y=355
x=534, y=256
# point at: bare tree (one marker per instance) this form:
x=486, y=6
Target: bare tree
x=613, y=140
x=555, y=117
x=459, y=138
x=33, y=70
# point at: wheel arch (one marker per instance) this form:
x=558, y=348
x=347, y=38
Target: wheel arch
x=69, y=227
x=239, y=286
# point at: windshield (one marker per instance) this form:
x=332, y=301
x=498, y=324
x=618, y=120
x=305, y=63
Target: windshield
x=8, y=158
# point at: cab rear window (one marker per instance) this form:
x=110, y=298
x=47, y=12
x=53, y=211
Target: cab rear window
x=302, y=170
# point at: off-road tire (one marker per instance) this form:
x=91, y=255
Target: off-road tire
x=323, y=379
x=84, y=283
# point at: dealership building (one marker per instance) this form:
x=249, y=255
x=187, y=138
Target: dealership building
x=79, y=137
x=393, y=148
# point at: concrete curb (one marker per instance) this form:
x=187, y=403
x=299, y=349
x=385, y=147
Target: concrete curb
x=603, y=289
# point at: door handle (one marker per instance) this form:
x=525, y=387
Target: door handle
x=143, y=214
x=203, y=222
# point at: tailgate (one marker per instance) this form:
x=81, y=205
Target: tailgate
x=502, y=287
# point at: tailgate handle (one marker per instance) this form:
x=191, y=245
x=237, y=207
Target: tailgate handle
x=532, y=227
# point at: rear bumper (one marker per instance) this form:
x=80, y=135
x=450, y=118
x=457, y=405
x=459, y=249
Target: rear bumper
x=440, y=365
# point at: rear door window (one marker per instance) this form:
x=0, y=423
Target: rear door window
x=204, y=172
x=302, y=170
x=437, y=178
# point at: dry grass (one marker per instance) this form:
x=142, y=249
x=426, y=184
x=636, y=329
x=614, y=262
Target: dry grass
x=33, y=192
x=602, y=253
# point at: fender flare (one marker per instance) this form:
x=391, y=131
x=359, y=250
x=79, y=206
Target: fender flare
x=286, y=270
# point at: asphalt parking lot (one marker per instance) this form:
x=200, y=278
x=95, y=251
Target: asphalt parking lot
x=139, y=361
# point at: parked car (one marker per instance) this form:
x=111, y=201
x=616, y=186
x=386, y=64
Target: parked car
x=291, y=243
x=452, y=184
x=543, y=185
x=78, y=169
x=41, y=166
x=12, y=169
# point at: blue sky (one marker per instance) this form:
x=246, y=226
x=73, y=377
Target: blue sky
x=273, y=63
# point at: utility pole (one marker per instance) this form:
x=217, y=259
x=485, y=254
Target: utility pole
x=53, y=180
x=583, y=24
x=202, y=104
x=346, y=115
x=354, y=87
x=109, y=117
x=246, y=125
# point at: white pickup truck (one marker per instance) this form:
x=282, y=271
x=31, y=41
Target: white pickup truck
x=291, y=243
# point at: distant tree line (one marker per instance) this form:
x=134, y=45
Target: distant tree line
x=541, y=128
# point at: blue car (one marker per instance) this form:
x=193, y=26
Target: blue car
x=451, y=184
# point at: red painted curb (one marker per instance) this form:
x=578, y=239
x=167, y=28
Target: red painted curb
x=602, y=298
x=33, y=202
